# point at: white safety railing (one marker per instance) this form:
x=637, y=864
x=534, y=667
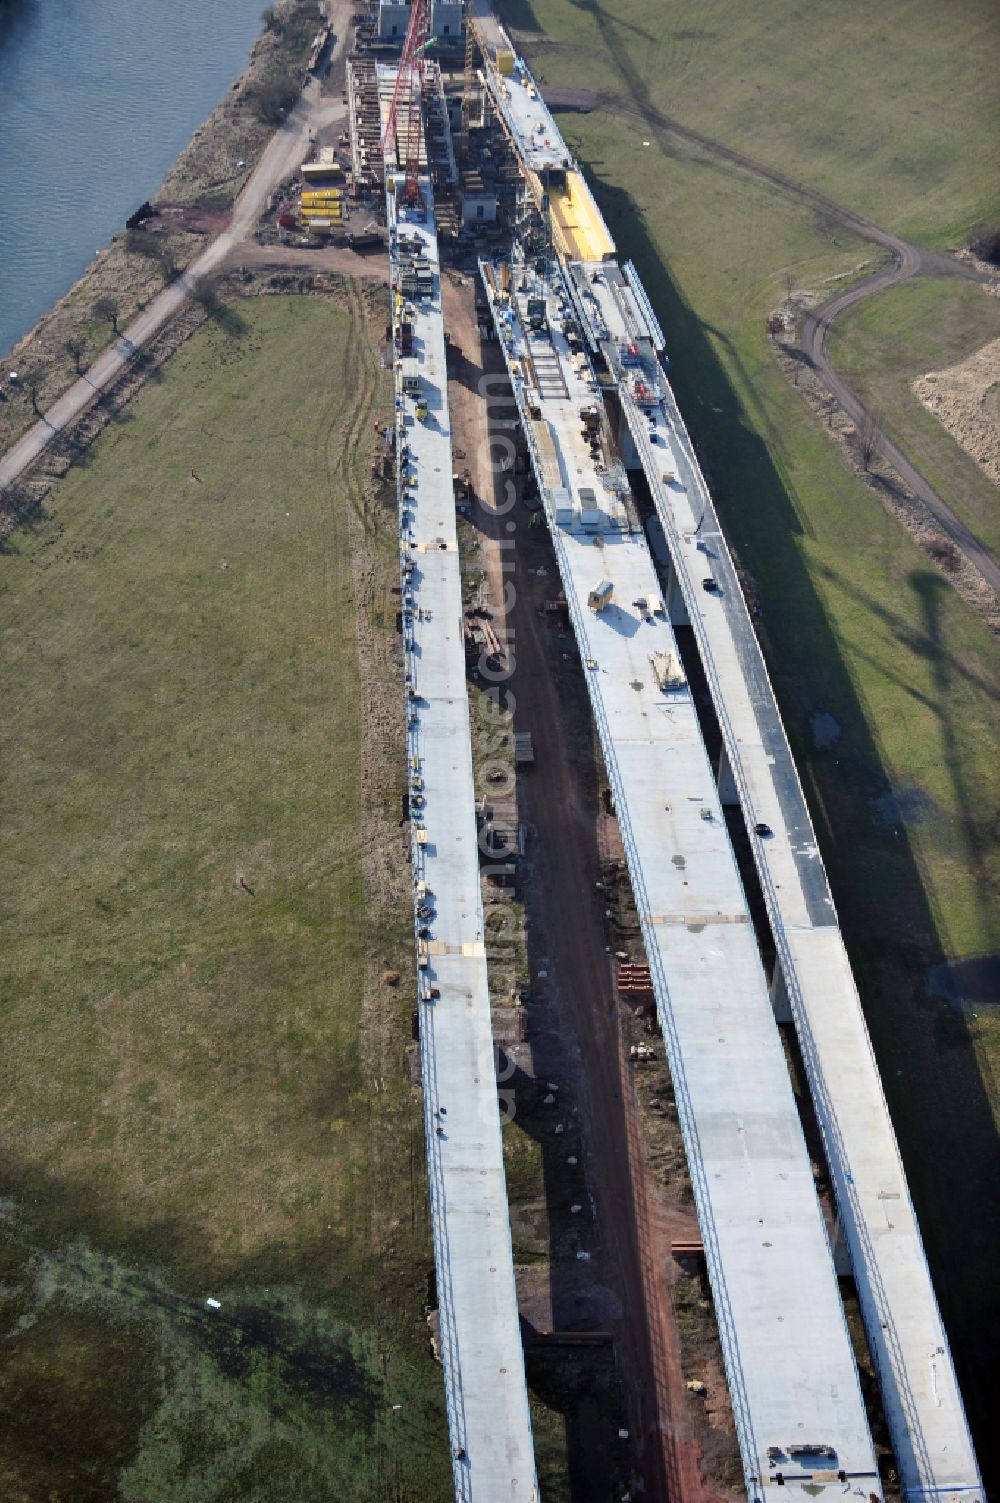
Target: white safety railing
x=417, y=711
x=448, y=1335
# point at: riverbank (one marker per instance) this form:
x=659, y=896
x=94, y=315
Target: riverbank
x=193, y=202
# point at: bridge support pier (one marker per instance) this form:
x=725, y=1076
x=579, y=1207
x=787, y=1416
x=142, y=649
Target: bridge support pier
x=725, y=782
x=838, y=1247
x=627, y=446
x=677, y=613
x=778, y=993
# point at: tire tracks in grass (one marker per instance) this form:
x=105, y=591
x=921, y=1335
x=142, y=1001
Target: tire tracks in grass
x=359, y=375
x=383, y=858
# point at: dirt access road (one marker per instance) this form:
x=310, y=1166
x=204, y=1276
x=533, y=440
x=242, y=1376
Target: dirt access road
x=815, y=330
x=371, y=266
x=634, y=1223
x=279, y=159
x=906, y=260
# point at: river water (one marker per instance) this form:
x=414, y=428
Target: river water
x=97, y=99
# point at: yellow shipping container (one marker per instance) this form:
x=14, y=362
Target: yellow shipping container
x=505, y=63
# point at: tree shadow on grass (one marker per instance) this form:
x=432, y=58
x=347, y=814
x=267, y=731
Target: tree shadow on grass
x=227, y=317
x=939, y=1103
x=30, y=513
x=519, y=14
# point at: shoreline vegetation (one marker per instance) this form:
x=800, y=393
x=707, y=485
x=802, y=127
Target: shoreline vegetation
x=191, y=204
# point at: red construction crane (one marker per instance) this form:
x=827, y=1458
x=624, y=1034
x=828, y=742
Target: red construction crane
x=409, y=82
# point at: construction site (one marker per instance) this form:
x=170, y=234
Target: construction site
x=563, y=575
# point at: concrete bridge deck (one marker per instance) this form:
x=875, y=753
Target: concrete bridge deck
x=799, y=1412
x=488, y=1414
x=920, y=1391
x=814, y=982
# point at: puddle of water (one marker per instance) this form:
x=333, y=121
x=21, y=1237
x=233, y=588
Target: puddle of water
x=973, y=982
x=825, y=729
x=906, y=804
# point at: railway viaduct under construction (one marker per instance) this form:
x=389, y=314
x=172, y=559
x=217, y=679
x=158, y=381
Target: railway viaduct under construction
x=588, y=370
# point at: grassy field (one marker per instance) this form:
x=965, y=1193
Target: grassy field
x=192, y=1100
x=857, y=626
x=882, y=346
x=893, y=113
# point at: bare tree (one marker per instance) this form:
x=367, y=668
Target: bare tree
x=985, y=243
x=107, y=308
x=75, y=347
x=870, y=435
x=155, y=248
x=942, y=552
x=206, y=292
x=273, y=97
